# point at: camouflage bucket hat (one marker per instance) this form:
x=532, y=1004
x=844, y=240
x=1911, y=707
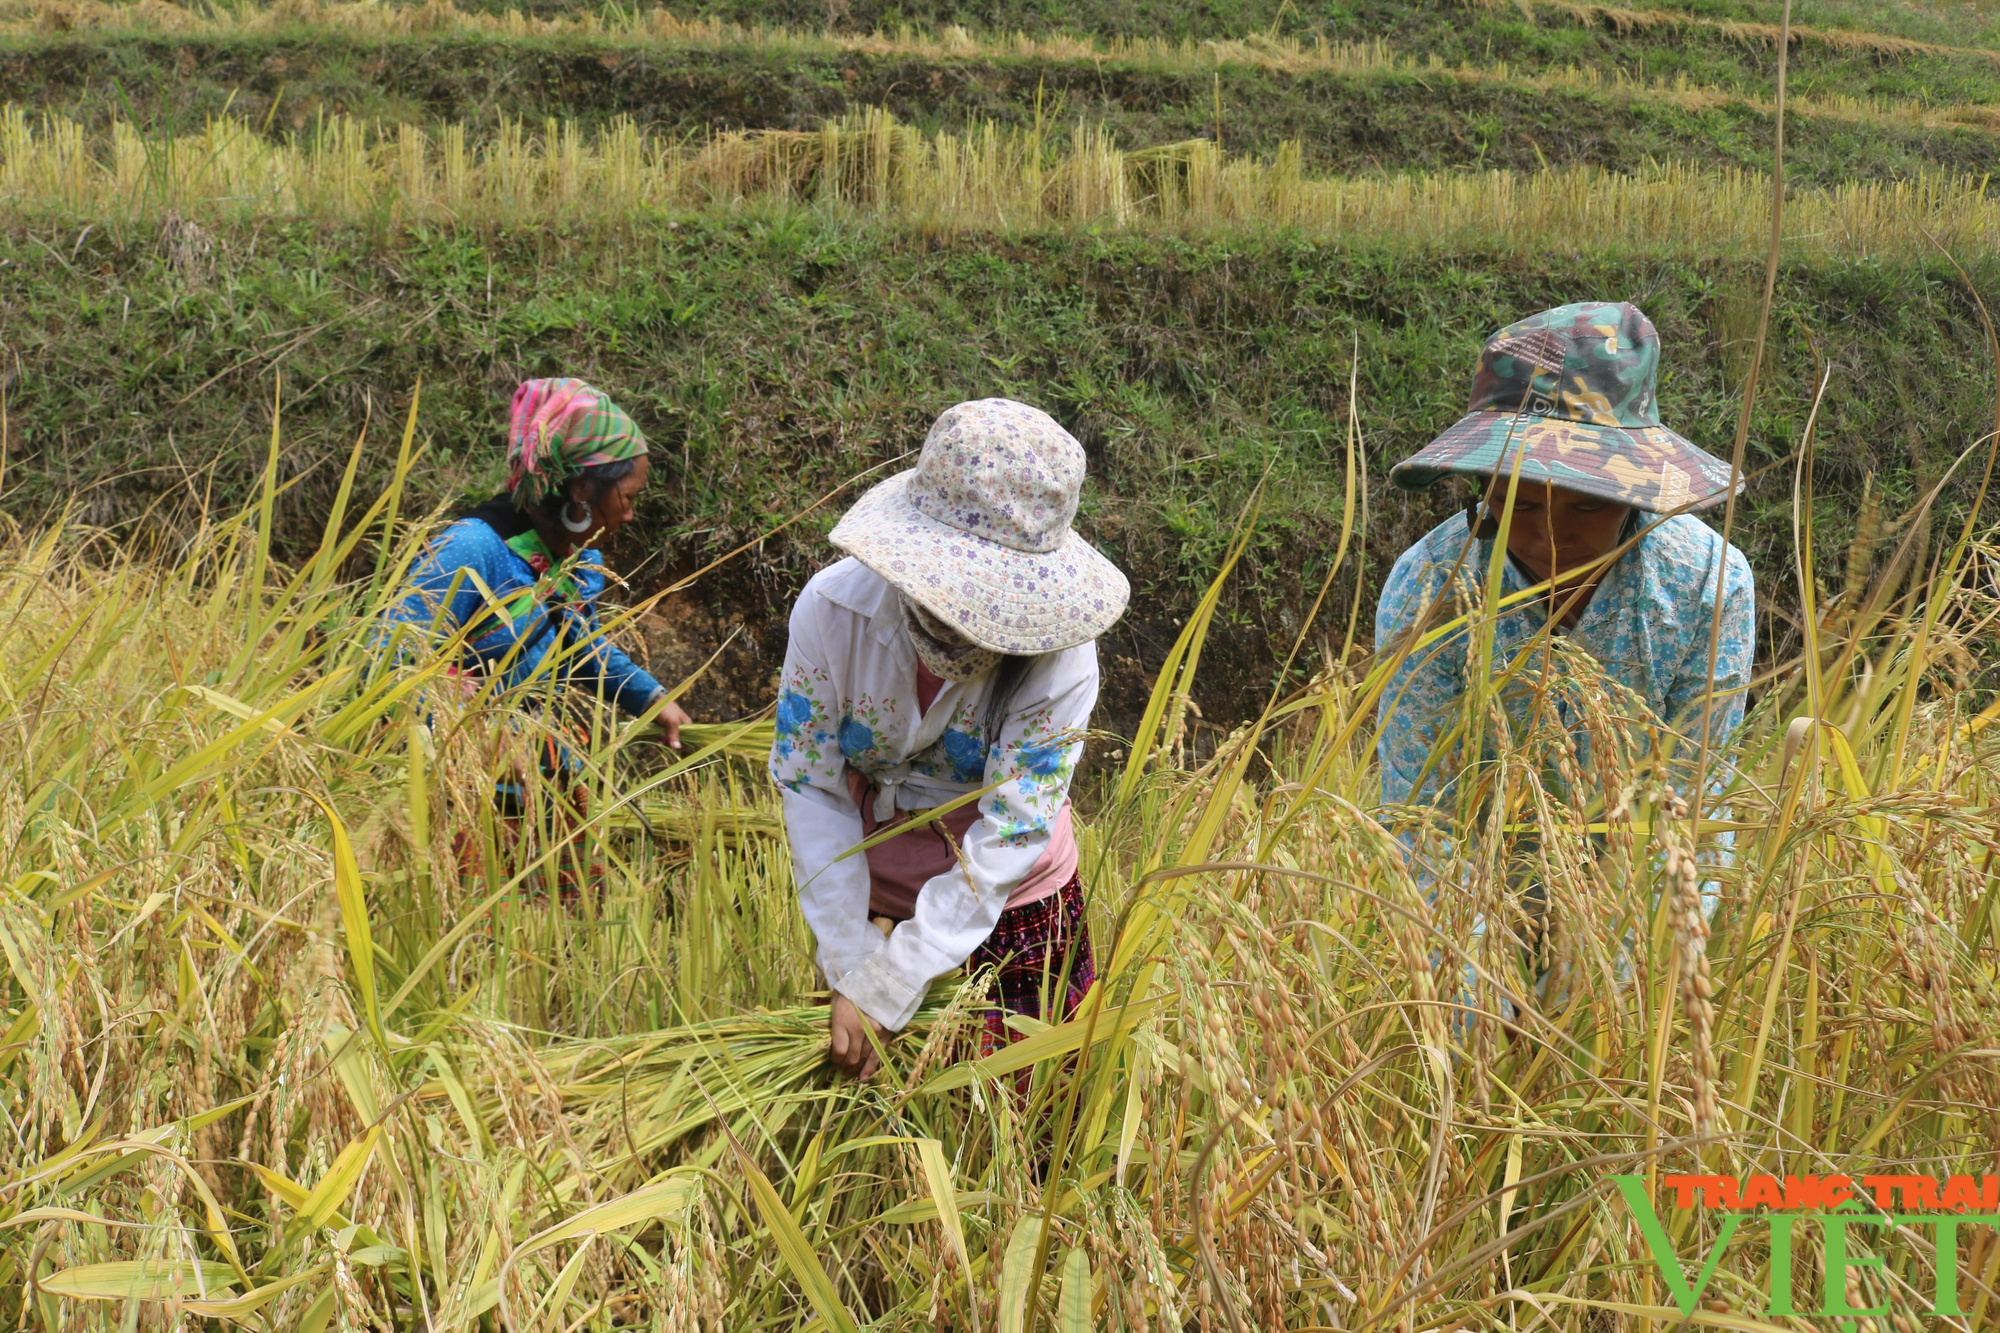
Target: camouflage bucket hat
x=1573, y=394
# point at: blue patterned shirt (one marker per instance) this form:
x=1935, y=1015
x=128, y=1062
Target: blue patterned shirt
x=1647, y=625
x=516, y=630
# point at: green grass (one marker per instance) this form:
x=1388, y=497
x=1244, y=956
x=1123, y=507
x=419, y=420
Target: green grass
x=772, y=357
x=1942, y=23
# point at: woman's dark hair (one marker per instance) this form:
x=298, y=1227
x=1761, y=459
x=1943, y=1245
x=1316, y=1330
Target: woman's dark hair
x=1007, y=678
x=597, y=480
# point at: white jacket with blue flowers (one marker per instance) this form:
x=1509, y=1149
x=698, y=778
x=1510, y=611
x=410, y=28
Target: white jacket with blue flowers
x=848, y=699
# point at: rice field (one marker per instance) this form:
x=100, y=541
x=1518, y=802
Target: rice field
x=1759, y=34
x=981, y=176
x=987, y=178
x=272, y=1056
x=287, y=1043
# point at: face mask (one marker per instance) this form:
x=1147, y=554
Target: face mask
x=945, y=652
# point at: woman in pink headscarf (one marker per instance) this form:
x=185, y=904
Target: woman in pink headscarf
x=516, y=581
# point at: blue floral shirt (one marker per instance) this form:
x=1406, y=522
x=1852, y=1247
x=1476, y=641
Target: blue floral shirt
x=1647, y=626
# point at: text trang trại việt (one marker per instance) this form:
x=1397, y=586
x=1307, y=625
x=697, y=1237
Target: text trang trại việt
x=1834, y=1203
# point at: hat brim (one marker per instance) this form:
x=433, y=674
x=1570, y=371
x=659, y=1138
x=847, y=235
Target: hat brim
x=1019, y=602
x=1649, y=468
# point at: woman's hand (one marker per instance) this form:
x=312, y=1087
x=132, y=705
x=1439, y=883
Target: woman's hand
x=671, y=719
x=853, y=1054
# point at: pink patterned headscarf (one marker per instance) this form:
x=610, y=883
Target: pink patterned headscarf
x=559, y=427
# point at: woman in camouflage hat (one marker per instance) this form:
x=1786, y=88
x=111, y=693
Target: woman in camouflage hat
x=1566, y=399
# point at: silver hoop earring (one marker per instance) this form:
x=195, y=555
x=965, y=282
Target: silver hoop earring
x=576, y=524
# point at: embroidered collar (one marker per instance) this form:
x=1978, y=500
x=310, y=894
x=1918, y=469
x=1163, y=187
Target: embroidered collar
x=553, y=577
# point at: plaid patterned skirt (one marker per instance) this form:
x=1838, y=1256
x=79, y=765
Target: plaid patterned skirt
x=1041, y=951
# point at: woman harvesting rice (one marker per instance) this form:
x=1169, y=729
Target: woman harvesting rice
x=515, y=582
x=1569, y=396
x=1602, y=511
x=951, y=654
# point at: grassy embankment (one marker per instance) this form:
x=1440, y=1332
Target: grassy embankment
x=268, y=1059
x=1849, y=24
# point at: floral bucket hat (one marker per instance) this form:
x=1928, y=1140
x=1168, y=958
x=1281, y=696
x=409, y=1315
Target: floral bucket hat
x=1573, y=395
x=978, y=533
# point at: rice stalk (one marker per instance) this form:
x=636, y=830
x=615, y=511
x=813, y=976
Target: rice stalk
x=986, y=178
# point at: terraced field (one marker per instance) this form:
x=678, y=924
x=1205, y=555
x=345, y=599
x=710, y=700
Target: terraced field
x=1406, y=177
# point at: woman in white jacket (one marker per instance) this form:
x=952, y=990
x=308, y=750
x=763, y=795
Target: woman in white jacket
x=952, y=653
